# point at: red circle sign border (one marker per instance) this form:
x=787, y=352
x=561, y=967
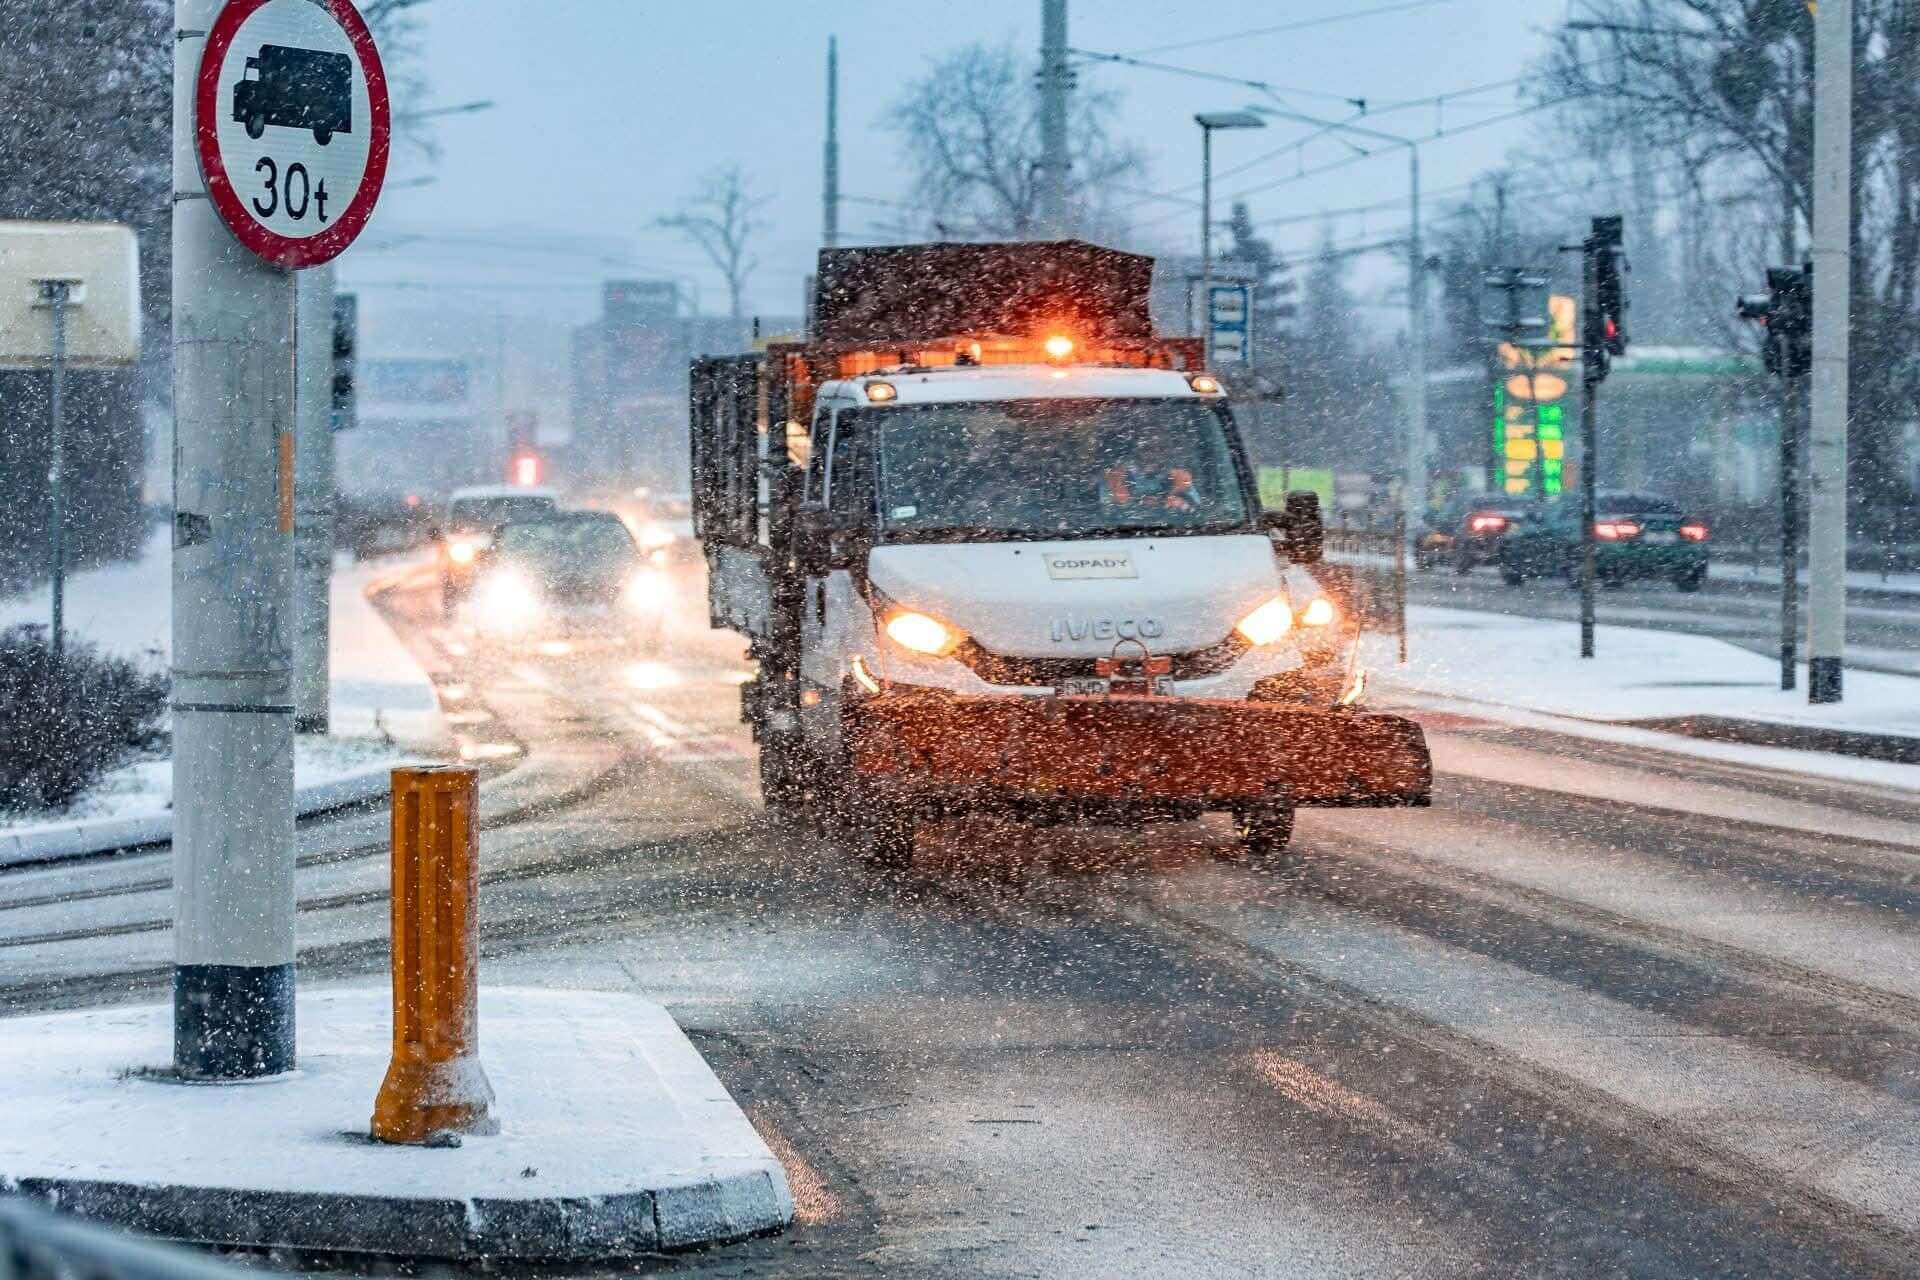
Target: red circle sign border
x=270, y=246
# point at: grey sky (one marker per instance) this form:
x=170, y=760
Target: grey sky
x=610, y=110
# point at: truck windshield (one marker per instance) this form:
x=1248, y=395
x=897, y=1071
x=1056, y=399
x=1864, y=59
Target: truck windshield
x=1056, y=468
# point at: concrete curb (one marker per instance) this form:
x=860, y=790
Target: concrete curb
x=1896, y=748
x=53, y=841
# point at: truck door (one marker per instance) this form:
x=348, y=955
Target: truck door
x=829, y=596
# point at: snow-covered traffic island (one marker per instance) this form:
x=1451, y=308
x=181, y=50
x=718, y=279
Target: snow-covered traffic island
x=615, y=1138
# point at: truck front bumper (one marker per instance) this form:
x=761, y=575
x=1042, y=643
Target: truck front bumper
x=1154, y=752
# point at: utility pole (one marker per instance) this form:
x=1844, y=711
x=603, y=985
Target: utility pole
x=232, y=625
x=830, y=182
x=1832, y=298
x=1056, y=78
x=313, y=498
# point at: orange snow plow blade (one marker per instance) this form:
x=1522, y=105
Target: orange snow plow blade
x=1213, y=751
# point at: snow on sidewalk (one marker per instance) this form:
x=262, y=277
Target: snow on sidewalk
x=1528, y=672
x=384, y=709
x=1894, y=583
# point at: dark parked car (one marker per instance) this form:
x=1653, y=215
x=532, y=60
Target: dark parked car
x=1636, y=535
x=1467, y=529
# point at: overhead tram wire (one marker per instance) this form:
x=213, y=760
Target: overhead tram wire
x=1369, y=112
x=1299, y=24
x=1345, y=161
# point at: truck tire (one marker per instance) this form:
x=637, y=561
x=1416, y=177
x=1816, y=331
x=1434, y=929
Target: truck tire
x=878, y=832
x=1265, y=832
x=780, y=791
x=256, y=123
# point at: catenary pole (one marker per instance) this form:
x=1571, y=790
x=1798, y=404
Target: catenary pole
x=232, y=625
x=1055, y=80
x=1832, y=294
x=313, y=499
x=830, y=179
x=1790, y=415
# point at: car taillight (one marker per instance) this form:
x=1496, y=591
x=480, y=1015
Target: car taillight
x=1486, y=524
x=1616, y=530
x=1693, y=531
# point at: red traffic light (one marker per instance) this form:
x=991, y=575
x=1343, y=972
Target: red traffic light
x=526, y=470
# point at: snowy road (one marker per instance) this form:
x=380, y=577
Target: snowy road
x=1601, y=1010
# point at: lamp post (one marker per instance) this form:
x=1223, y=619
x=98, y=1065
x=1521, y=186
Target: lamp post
x=1414, y=499
x=1208, y=122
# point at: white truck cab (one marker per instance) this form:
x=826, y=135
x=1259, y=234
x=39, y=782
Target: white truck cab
x=990, y=574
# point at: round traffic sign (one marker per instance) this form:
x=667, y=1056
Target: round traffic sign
x=292, y=126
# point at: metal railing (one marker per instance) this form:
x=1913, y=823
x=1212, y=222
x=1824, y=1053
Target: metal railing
x=1365, y=569
x=37, y=1244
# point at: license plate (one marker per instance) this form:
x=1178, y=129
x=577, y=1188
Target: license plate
x=1083, y=684
x=1661, y=538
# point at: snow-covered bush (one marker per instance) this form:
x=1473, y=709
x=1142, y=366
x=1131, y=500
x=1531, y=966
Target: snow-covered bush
x=65, y=722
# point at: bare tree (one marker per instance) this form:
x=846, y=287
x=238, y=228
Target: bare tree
x=722, y=219
x=1727, y=87
x=972, y=135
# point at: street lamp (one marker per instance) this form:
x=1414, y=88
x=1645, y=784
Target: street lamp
x=1414, y=499
x=1208, y=122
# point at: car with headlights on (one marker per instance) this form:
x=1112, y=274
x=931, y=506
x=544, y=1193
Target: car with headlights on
x=1635, y=536
x=466, y=530
x=567, y=575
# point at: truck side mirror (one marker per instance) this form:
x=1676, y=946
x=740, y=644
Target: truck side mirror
x=818, y=544
x=1304, y=531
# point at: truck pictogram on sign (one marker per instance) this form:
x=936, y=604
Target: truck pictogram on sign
x=296, y=89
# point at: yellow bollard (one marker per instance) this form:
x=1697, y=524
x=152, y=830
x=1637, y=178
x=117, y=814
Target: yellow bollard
x=434, y=1083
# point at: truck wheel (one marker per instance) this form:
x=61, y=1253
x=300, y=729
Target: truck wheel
x=256, y=125
x=1264, y=833
x=780, y=791
x=879, y=833
x=323, y=136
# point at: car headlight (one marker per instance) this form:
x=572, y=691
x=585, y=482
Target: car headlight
x=507, y=599
x=644, y=593
x=916, y=631
x=463, y=550
x=1318, y=613
x=655, y=536
x=1268, y=623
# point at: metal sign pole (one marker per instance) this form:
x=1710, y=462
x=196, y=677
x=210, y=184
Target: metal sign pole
x=55, y=294
x=1789, y=515
x=1592, y=341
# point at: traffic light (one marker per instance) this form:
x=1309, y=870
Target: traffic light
x=346, y=333
x=1786, y=309
x=1609, y=284
x=526, y=469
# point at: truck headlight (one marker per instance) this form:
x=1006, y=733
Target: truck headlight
x=1318, y=613
x=1268, y=623
x=916, y=631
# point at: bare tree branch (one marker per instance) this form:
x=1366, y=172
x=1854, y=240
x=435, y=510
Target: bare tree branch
x=722, y=219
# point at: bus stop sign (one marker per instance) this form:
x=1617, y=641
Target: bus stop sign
x=292, y=126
